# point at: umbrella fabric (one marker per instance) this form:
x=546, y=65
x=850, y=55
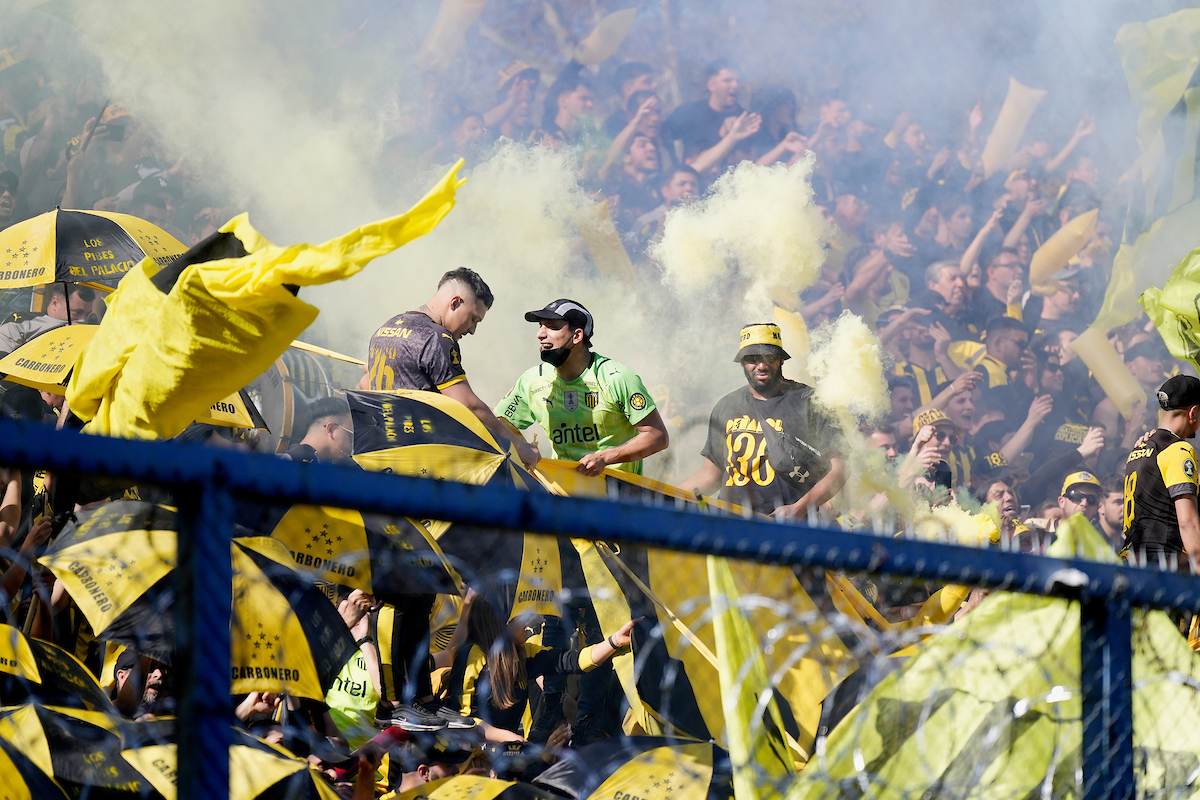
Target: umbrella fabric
x=21, y=779
x=257, y=770
x=176, y=340
x=286, y=635
x=80, y=247
x=474, y=787
x=46, y=363
x=116, y=562
x=383, y=556
x=77, y=748
x=31, y=669
x=425, y=434
x=647, y=767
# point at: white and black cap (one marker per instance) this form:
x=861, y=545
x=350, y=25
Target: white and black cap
x=573, y=313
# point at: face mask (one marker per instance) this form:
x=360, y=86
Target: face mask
x=556, y=357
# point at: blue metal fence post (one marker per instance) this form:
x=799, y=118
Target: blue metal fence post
x=1106, y=681
x=205, y=585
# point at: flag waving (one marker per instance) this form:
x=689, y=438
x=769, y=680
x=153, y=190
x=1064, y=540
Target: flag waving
x=1160, y=59
x=175, y=341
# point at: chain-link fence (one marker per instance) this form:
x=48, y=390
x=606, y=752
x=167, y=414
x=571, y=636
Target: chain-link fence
x=707, y=653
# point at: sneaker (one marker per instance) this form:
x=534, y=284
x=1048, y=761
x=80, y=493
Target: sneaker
x=408, y=718
x=447, y=715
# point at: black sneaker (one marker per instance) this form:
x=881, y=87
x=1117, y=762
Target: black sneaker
x=447, y=715
x=409, y=719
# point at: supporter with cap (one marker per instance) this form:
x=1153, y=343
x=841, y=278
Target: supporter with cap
x=595, y=410
x=769, y=448
x=942, y=439
x=1059, y=307
x=8, y=198
x=1080, y=495
x=1161, y=521
x=512, y=115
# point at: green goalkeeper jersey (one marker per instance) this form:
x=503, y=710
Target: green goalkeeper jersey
x=597, y=410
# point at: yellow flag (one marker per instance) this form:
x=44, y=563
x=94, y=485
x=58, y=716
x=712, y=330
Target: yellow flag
x=160, y=360
x=1019, y=105
x=753, y=724
x=1160, y=58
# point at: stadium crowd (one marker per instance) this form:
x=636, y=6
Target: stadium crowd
x=988, y=400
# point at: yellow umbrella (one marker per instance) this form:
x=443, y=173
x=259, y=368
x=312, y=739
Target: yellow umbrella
x=474, y=787
x=116, y=561
x=79, y=749
x=257, y=769
x=31, y=668
x=46, y=362
x=64, y=246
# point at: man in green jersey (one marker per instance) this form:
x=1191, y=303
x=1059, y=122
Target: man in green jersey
x=595, y=410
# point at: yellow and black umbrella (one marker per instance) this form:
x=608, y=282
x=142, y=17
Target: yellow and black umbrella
x=383, y=556
x=257, y=770
x=63, y=246
x=116, y=562
x=425, y=434
x=33, y=670
x=432, y=436
x=46, y=362
x=21, y=779
x=475, y=787
x=647, y=767
x=79, y=749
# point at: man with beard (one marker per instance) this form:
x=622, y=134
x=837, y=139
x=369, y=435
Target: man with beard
x=140, y=686
x=595, y=410
x=778, y=453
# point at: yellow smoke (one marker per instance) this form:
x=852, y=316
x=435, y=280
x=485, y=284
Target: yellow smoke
x=757, y=227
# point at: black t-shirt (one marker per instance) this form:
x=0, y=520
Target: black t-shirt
x=411, y=351
x=697, y=125
x=737, y=444
x=1158, y=472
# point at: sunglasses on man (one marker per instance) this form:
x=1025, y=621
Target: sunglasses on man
x=1079, y=496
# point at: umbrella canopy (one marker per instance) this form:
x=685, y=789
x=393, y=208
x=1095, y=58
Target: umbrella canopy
x=31, y=669
x=477, y=787
x=77, y=748
x=648, y=767
x=80, y=247
x=257, y=770
x=425, y=434
x=46, y=362
x=381, y=555
x=21, y=779
x=116, y=562
x=287, y=636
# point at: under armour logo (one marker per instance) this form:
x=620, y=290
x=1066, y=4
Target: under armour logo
x=798, y=474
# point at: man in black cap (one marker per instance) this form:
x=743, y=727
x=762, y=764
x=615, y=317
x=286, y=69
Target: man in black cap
x=1161, y=521
x=595, y=410
x=769, y=448
x=8, y=198
x=428, y=759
